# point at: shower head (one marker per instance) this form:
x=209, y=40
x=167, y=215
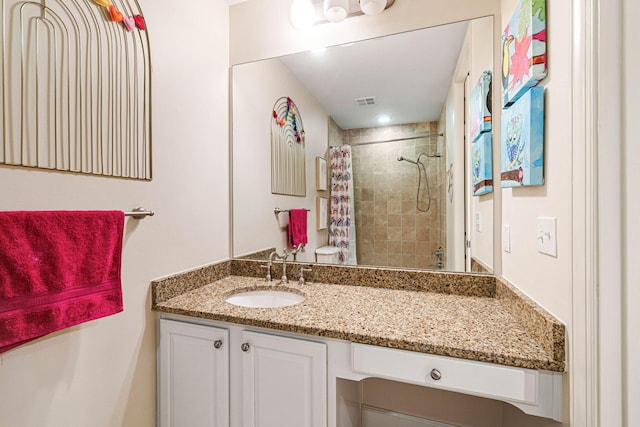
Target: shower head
x=420, y=174
x=400, y=159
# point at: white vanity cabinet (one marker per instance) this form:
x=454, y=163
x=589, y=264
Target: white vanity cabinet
x=194, y=375
x=284, y=381
x=535, y=392
x=223, y=374
x=275, y=381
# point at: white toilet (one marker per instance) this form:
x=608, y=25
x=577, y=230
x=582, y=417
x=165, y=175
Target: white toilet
x=327, y=255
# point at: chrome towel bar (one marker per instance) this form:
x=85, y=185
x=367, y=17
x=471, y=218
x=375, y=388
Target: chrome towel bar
x=278, y=210
x=139, y=213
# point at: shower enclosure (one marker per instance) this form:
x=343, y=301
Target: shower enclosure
x=398, y=222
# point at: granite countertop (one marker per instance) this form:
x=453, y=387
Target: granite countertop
x=481, y=328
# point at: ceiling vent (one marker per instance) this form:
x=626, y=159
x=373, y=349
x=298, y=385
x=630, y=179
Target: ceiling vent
x=368, y=100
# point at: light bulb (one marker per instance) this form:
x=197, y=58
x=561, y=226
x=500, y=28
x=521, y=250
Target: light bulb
x=372, y=7
x=302, y=14
x=336, y=10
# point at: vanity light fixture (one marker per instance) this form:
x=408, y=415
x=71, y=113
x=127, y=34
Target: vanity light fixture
x=302, y=14
x=305, y=14
x=336, y=10
x=372, y=7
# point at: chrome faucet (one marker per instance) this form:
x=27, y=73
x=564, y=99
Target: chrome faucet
x=268, y=266
x=283, y=257
x=299, y=248
x=302, y=280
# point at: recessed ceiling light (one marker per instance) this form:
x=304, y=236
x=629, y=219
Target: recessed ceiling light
x=384, y=119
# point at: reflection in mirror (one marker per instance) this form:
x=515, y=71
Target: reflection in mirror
x=287, y=149
x=387, y=114
x=399, y=196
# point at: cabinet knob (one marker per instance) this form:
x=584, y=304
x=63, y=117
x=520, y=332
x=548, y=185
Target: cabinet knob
x=217, y=344
x=435, y=374
x=245, y=346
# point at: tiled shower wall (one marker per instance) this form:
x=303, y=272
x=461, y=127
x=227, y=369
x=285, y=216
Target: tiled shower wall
x=390, y=231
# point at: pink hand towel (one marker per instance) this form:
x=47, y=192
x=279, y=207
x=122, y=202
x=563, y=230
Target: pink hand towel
x=57, y=269
x=297, y=227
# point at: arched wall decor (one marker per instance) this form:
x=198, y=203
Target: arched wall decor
x=76, y=87
x=288, y=171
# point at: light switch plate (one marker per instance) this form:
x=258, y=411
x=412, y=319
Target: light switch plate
x=546, y=236
x=506, y=238
x=478, y=223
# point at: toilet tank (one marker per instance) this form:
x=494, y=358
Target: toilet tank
x=327, y=254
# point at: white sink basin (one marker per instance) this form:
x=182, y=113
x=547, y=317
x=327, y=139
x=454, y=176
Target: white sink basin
x=265, y=299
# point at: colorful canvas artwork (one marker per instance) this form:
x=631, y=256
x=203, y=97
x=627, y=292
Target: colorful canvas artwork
x=481, y=165
x=523, y=141
x=481, y=106
x=524, y=50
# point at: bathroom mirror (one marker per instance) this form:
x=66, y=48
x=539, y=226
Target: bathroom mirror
x=410, y=201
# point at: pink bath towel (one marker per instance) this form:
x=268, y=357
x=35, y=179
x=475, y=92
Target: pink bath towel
x=297, y=227
x=57, y=269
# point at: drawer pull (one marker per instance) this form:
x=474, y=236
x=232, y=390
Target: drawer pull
x=435, y=374
x=245, y=346
x=217, y=344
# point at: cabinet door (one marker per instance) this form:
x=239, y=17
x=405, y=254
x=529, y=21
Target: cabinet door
x=194, y=375
x=284, y=382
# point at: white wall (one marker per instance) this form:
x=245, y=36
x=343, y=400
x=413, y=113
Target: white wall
x=546, y=279
x=631, y=213
x=261, y=28
x=255, y=225
x=609, y=371
x=102, y=373
x=615, y=369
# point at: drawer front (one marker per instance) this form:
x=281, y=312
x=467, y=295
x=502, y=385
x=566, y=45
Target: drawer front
x=478, y=378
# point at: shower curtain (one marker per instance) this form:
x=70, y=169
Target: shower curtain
x=342, y=227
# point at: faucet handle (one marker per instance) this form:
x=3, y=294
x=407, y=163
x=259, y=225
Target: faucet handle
x=268, y=267
x=302, y=280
